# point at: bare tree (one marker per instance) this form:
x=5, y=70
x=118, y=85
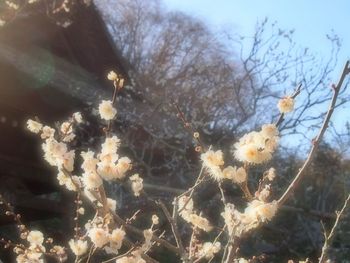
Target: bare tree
x=223, y=84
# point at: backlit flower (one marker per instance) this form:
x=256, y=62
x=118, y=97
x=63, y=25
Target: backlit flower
x=79, y=247
x=106, y=110
x=35, y=237
x=136, y=184
x=98, y=236
x=112, y=76
x=34, y=126
x=285, y=104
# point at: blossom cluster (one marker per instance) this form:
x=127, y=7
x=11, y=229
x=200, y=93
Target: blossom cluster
x=186, y=211
x=35, y=250
x=214, y=164
x=105, y=164
x=252, y=148
x=257, y=147
x=96, y=167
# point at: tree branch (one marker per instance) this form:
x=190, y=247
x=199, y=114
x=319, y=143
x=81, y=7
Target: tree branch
x=318, y=139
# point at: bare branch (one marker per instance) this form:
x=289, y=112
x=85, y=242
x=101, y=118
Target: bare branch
x=329, y=238
x=318, y=139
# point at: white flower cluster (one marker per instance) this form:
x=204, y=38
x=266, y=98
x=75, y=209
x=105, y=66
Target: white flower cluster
x=257, y=147
x=35, y=251
x=110, y=166
x=213, y=162
x=101, y=231
x=208, y=250
x=252, y=148
x=102, y=236
x=256, y=212
x=57, y=154
x=185, y=208
x=115, y=78
x=106, y=165
x=79, y=247
x=12, y=5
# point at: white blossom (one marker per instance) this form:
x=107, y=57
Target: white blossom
x=110, y=145
x=34, y=126
x=89, y=162
x=123, y=165
x=79, y=247
x=257, y=147
x=213, y=161
x=269, y=130
x=107, y=171
x=77, y=117
x=200, y=222
x=116, y=237
x=155, y=220
x=54, y=152
x=285, y=104
x=35, y=237
x=136, y=184
x=12, y=5
x=260, y=211
x=208, y=249
x=271, y=174
x=81, y=210
x=112, y=76
x=98, y=236
x=148, y=234
x=111, y=204
x=240, y=176
x=91, y=180
x=47, y=132
x=106, y=110
x=66, y=127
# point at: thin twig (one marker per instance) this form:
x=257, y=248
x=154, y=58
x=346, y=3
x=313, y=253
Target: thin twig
x=175, y=231
x=330, y=237
x=91, y=252
x=191, y=190
x=189, y=127
x=127, y=226
x=223, y=199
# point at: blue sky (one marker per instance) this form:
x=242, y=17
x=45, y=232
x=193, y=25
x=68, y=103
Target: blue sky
x=311, y=19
